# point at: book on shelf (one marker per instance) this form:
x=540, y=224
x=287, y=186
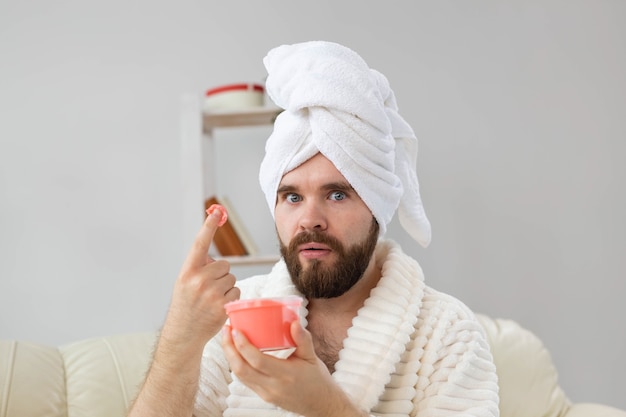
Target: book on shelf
x=228, y=239
x=239, y=227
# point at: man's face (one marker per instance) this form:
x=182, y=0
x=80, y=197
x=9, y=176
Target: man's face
x=327, y=234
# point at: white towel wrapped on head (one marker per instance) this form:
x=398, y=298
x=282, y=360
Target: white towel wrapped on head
x=336, y=105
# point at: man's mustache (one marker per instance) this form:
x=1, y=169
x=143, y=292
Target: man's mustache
x=318, y=237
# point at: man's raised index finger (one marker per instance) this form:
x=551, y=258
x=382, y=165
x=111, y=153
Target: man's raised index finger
x=198, y=253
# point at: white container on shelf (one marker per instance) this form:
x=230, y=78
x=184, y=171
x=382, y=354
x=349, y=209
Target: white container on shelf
x=234, y=97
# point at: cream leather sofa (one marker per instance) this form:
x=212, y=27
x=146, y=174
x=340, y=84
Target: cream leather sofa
x=99, y=377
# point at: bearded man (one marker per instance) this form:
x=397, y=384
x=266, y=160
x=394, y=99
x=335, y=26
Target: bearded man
x=372, y=339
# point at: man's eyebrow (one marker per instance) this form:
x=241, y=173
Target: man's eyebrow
x=286, y=189
x=340, y=186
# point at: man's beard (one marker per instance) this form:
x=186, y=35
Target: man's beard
x=329, y=281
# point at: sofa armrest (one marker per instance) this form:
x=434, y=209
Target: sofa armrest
x=32, y=382
x=593, y=410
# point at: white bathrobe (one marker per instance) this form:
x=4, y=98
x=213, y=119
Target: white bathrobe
x=411, y=351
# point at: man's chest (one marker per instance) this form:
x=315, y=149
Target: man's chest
x=328, y=337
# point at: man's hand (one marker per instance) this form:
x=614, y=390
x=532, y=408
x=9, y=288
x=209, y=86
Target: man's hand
x=204, y=285
x=195, y=315
x=300, y=383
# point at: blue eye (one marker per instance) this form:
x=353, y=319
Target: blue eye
x=337, y=195
x=293, y=198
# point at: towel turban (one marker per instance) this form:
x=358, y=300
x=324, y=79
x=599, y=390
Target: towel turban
x=336, y=105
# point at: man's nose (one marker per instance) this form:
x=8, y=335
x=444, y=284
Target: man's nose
x=313, y=217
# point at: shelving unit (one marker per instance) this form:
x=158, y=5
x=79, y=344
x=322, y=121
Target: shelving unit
x=197, y=156
x=250, y=117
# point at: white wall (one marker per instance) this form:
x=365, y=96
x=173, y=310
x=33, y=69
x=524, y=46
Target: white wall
x=519, y=108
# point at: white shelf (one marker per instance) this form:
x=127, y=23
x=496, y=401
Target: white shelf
x=253, y=116
x=197, y=156
x=251, y=260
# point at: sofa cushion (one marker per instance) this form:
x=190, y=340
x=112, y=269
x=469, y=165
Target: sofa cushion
x=527, y=377
x=32, y=380
x=107, y=371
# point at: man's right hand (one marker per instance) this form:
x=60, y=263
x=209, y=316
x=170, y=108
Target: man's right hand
x=204, y=286
x=196, y=314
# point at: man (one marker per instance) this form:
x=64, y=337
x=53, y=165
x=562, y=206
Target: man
x=374, y=339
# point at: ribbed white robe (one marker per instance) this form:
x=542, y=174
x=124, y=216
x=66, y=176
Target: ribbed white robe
x=411, y=351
